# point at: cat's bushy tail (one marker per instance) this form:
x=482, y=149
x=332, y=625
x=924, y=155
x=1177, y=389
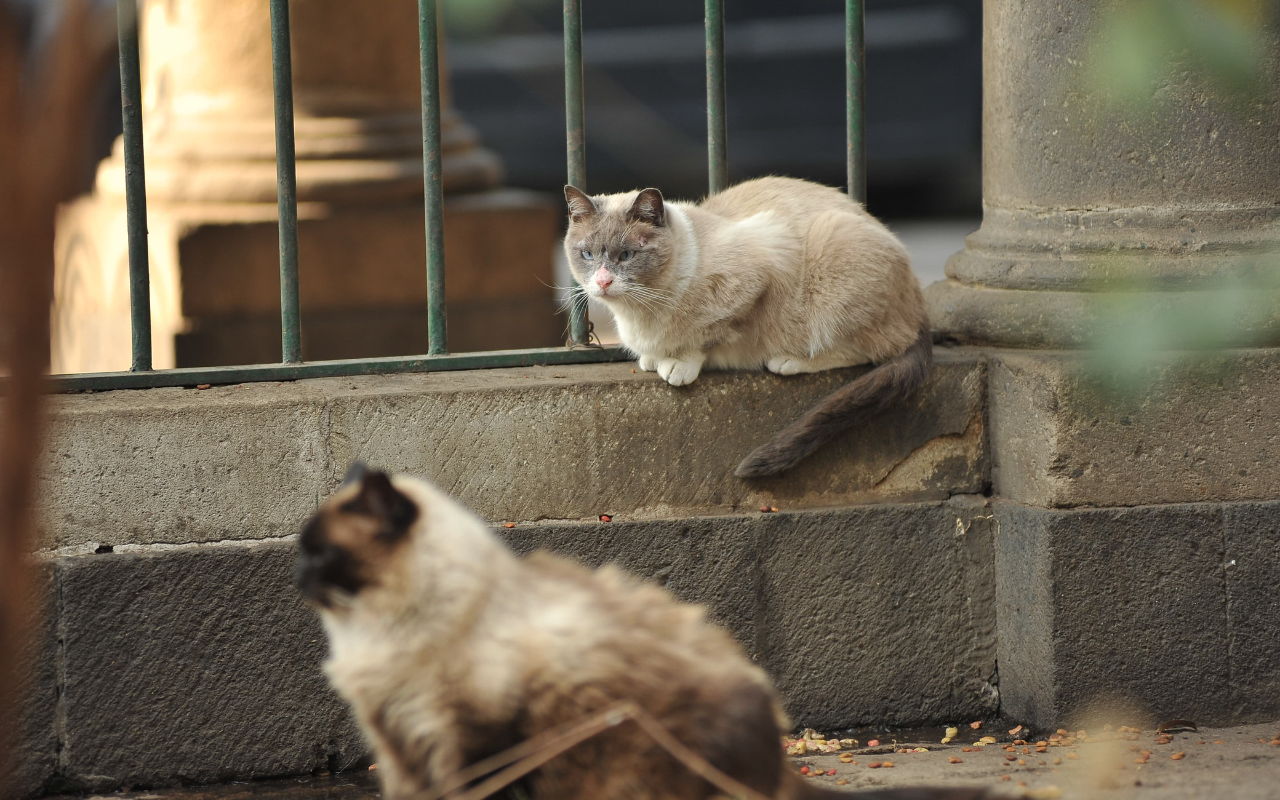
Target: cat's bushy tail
x=883, y=386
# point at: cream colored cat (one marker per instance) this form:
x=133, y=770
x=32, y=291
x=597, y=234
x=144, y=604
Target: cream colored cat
x=450, y=649
x=774, y=273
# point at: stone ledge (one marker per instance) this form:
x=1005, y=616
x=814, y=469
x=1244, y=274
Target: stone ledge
x=1205, y=430
x=200, y=663
x=251, y=462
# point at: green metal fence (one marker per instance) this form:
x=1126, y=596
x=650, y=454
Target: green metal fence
x=438, y=358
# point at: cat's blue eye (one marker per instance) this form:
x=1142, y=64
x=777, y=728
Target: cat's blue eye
x=625, y=255
x=586, y=255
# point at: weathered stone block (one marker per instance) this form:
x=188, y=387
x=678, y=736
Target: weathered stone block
x=1138, y=608
x=714, y=561
x=1253, y=608
x=31, y=759
x=1201, y=429
x=880, y=614
x=182, y=465
x=194, y=665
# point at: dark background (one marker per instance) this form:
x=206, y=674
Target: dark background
x=646, y=94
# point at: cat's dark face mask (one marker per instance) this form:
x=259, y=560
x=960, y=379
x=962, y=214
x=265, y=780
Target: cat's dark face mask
x=617, y=253
x=345, y=543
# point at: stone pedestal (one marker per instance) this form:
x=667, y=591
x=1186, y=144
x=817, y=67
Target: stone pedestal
x=1132, y=529
x=211, y=188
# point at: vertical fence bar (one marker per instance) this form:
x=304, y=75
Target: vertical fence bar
x=433, y=192
x=575, y=143
x=135, y=184
x=717, y=157
x=855, y=98
x=286, y=183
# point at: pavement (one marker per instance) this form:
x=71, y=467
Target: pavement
x=931, y=242
x=1241, y=763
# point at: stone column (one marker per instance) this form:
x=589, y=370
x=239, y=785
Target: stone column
x=1081, y=196
x=1136, y=533
x=211, y=187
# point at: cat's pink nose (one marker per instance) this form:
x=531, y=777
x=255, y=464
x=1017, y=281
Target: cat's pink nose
x=603, y=278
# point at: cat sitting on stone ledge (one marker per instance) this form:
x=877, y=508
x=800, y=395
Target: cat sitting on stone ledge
x=774, y=273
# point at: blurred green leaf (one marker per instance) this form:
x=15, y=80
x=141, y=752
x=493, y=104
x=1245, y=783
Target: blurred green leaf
x=1142, y=42
x=1140, y=321
x=474, y=18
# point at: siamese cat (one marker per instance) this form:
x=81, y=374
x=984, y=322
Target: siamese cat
x=450, y=649
x=774, y=273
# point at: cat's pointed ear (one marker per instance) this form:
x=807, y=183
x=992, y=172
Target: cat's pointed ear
x=648, y=208
x=381, y=500
x=355, y=472
x=580, y=205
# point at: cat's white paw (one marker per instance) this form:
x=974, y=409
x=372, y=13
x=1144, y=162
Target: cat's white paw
x=785, y=365
x=677, y=372
x=648, y=364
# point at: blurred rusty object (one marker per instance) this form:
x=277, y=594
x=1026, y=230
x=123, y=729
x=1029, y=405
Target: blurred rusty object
x=45, y=112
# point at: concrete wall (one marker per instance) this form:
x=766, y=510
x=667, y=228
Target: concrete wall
x=888, y=589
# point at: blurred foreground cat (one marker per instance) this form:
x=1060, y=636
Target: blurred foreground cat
x=774, y=273
x=450, y=649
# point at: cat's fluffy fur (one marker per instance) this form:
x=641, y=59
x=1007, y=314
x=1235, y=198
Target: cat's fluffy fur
x=449, y=649
x=774, y=273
